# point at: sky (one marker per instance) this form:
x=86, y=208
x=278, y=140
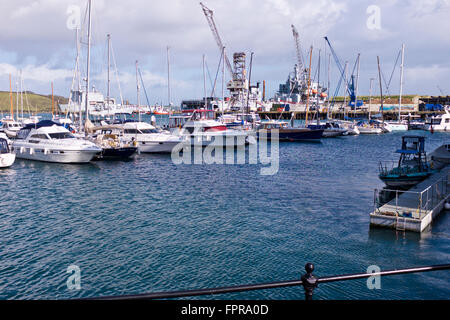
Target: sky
x=38, y=38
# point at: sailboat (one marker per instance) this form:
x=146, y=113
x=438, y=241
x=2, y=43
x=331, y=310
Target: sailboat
x=399, y=125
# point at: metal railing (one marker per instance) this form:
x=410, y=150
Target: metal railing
x=427, y=199
x=308, y=280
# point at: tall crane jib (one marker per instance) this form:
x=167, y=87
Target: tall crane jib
x=210, y=18
x=351, y=83
x=300, y=63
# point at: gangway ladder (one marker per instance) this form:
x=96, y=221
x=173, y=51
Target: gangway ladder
x=400, y=224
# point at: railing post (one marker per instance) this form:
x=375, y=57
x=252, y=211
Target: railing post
x=309, y=281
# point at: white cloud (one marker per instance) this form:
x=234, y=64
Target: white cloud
x=42, y=73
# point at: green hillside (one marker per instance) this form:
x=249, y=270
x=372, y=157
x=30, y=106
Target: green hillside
x=36, y=102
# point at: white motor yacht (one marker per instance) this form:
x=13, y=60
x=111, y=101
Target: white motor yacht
x=7, y=156
x=51, y=142
x=149, y=138
x=369, y=127
x=11, y=127
x=199, y=128
x=439, y=122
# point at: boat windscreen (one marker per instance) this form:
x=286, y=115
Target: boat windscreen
x=148, y=131
x=61, y=135
x=4, y=148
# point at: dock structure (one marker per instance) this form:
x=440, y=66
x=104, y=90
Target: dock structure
x=414, y=209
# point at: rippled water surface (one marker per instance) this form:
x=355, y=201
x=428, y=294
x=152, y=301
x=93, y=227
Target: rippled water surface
x=149, y=225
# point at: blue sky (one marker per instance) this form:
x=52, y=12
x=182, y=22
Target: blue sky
x=36, y=39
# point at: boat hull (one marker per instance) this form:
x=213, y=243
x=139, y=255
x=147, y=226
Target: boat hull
x=157, y=146
x=56, y=156
x=404, y=181
x=7, y=160
x=293, y=135
x=116, y=153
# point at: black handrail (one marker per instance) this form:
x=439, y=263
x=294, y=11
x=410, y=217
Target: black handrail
x=308, y=281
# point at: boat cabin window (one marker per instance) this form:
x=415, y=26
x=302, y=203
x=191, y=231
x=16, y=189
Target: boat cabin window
x=61, y=135
x=4, y=148
x=39, y=136
x=23, y=133
x=149, y=131
x=131, y=131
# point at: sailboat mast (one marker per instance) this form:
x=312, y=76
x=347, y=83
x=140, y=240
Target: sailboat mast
x=168, y=76
x=223, y=79
x=204, y=82
x=357, y=84
x=309, y=85
x=249, y=83
x=346, y=86
x=381, y=89
x=370, y=95
x=137, y=92
x=318, y=96
x=108, y=92
x=53, y=102
x=88, y=67
x=17, y=100
x=21, y=92
x=401, y=84
x=11, y=96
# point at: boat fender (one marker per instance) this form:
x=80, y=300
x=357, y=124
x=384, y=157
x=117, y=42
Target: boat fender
x=447, y=206
x=46, y=151
x=22, y=149
x=31, y=151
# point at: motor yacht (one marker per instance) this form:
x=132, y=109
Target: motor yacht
x=7, y=156
x=11, y=127
x=51, y=142
x=150, y=139
x=199, y=128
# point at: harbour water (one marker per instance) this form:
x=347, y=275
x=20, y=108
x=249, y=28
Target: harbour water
x=148, y=225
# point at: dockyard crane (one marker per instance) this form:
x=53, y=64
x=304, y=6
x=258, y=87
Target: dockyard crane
x=299, y=52
x=210, y=18
x=351, y=82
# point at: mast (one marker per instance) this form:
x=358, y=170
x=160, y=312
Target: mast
x=88, y=67
x=357, y=84
x=78, y=75
x=21, y=92
x=370, y=95
x=249, y=84
x=11, y=96
x=223, y=79
x=328, y=81
x=137, y=92
x=204, y=83
x=17, y=100
x=108, y=91
x=309, y=84
x=318, y=96
x=401, y=84
x=346, y=86
x=168, y=75
x=381, y=88
x=53, y=102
